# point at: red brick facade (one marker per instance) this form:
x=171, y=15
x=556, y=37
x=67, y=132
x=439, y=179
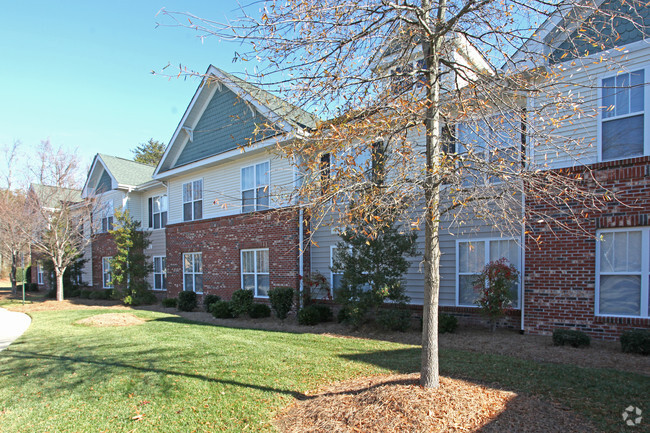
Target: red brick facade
x=103, y=245
x=560, y=277
x=36, y=257
x=220, y=240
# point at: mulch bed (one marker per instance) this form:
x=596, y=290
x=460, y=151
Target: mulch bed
x=111, y=319
x=398, y=404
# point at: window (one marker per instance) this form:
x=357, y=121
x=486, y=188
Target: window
x=622, y=128
x=255, y=271
x=159, y=273
x=107, y=272
x=255, y=187
x=107, y=217
x=158, y=211
x=39, y=272
x=335, y=277
x=623, y=272
x=193, y=272
x=193, y=200
x=472, y=258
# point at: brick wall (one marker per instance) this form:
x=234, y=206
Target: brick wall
x=103, y=245
x=560, y=275
x=36, y=257
x=220, y=241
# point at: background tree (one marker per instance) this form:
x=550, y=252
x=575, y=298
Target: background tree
x=130, y=265
x=444, y=85
x=62, y=219
x=149, y=153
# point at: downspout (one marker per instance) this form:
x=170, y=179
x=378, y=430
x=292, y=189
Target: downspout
x=301, y=254
x=523, y=257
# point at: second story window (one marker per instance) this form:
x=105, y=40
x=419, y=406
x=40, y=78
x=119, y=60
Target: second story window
x=158, y=211
x=622, y=116
x=107, y=217
x=255, y=182
x=193, y=200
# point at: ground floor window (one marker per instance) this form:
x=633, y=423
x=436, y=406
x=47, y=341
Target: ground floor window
x=623, y=272
x=335, y=277
x=472, y=256
x=159, y=273
x=193, y=272
x=255, y=271
x=39, y=272
x=107, y=272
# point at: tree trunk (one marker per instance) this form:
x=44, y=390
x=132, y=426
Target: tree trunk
x=59, y=283
x=12, y=272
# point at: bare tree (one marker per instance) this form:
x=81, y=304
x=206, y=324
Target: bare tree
x=436, y=94
x=63, y=218
x=16, y=219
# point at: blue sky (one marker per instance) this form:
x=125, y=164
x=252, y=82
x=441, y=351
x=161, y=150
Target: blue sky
x=79, y=72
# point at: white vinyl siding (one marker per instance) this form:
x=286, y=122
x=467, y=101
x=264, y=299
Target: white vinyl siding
x=193, y=272
x=255, y=271
x=107, y=273
x=159, y=273
x=193, y=200
x=255, y=187
x=623, y=272
x=473, y=255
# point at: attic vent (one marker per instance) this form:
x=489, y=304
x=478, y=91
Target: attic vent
x=190, y=132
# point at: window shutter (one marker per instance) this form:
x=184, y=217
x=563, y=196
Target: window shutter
x=150, y=212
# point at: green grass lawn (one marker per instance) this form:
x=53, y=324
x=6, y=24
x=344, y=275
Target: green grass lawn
x=173, y=375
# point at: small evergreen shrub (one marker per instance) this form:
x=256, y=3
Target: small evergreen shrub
x=85, y=294
x=97, y=294
x=241, y=302
x=309, y=316
x=31, y=287
x=342, y=315
x=566, y=337
x=128, y=300
x=144, y=297
x=636, y=341
x=325, y=312
x=281, y=301
x=447, y=323
x=395, y=319
x=169, y=302
x=221, y=310
x=186, y=301
x=209, y=300
x=259, y=311
x=51, y=294
x=72, y=292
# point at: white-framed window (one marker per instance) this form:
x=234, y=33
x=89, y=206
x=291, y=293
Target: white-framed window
x=39, y=272
x=193, y=200
x=193, y=272
x=335, y=277
x=159, y=273
x=255, y=185
x=158, y=207
x=622, y=132
x=471, y=258
x=107, y=217
x=623, y=272
x=107, y=272
x=255, y=271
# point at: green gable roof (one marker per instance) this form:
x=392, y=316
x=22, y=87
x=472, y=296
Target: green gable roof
x=51, y=196
x=127, y=172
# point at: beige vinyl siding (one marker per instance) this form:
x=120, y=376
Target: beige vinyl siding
x=581, y=131
x=144, y=203
x=222, y=185
x=158, y=248
x=133, y=205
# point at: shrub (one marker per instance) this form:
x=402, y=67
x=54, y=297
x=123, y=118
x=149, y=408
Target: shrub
x=31, y=287
x=221, y=310
x=281, y=301
x=72, y=292
x=259, y=310
x=241, y=302
x=494, y=286
x=128, y=300
x=186, y=301
x=447, y=323
x=96, y=294
x=309, y=316
x=209, y=300
x=169, y=302
x=342, y=315
x=144, y=297
x=85, y=294
x=325, y=312
x=636, y=341
x=28, y=275
x=315, y=286
x=51, y=294
x=563, y=337
x=395, y=319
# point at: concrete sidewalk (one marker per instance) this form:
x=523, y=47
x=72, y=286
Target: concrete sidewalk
x=12, y=326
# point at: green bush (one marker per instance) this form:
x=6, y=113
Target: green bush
x=636, y=341
x=563, y=337
x=241, y=302
x=221, y=310
x=31, y=287
x=395, y=319
x=281, y=301
x=186, y=301
x=209, y=300
x=28, y=275
x=342, y=315
x=143, y=297
x=128, y=300
x=309, y=316
x=169, y=302
x=447, y=323
x=101, y=294
x=259, y=311
x=71, y=292
x=85, y=294
x=325, y=312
